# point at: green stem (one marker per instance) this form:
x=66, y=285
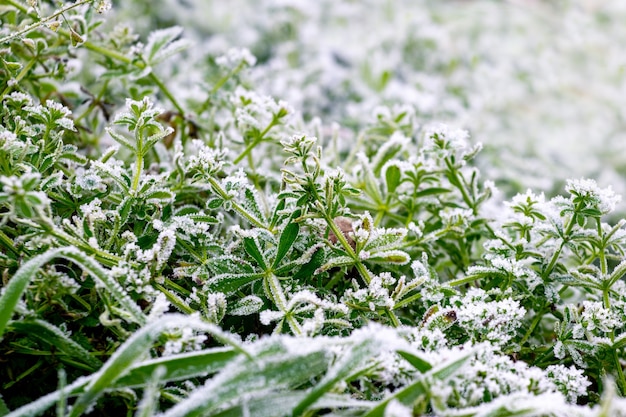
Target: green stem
x=601, y=254
x=8, y=243
x=19, y=6
x=110, y=53
x=174, y=299
x=167, y=93
x=19, y=77
x=41, y=22
x=455, y=174
x=557, y=253
x=621, y=379
x=278, y=296
x=138, y=169
x=255, y=142
x=139, y=64
x=224, y=195
x=225, y=78
x=533, y=325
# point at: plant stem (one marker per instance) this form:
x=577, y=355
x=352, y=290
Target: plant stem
x=278, y=296
x=138, y=170
x=256, y=141
x=19, y=77
x=224, y=195
x=557, y=253
x=167, y=94
x=174, y=299
x=40, y=22
x=621, y=379
x=459, y=185
x=533, y=324
x=601, y=253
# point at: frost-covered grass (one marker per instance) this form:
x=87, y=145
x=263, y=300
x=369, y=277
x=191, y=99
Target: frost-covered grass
x=259, y=212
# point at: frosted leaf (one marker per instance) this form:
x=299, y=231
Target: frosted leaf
x=247, y=305
x=559, y=350
x=103, y=6
x=496, y=321
x=216, y=307
x=19, y=99
x=92, y=210
x=164, y=247
x=267, y=317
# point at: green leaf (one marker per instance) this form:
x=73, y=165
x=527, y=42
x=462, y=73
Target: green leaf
x=202, y=218
x=336, y=262
x=214, y=203
x=251, y=247
x=251, y=205
x=392, y=178
x=153, y=139
x=282, y=403
x=163, y=43
x=74, y=157
x=418, y=363
x=386, y=239
x=229, y=283
x=178, y=367
x=159, y=196
x=392, y=256
x=245, y=306
x=287, y=237
x=125, y=208
x=4, y=410
x=122, y=140
x=431, y=191
x=308, y=270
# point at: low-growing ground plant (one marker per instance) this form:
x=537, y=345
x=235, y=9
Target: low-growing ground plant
x=210, y=252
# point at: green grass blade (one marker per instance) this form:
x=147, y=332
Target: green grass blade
x=18, y=283
x=274, y=368
x=417, y=362
x=134, y=349
x=279, y=404
x=52, y=335
x=149, y=403
x=178, y=367
x=355, y=360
